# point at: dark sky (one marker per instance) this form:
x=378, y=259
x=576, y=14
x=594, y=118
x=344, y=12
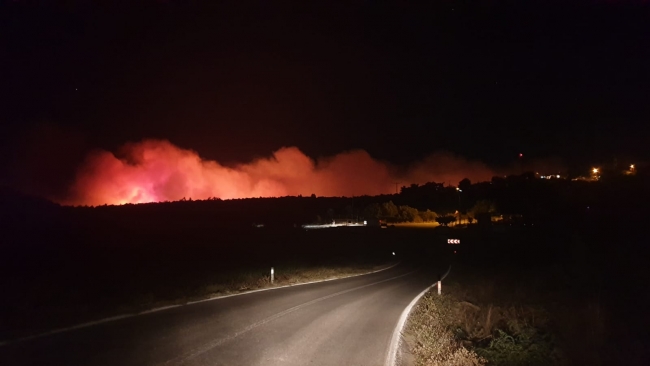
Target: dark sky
x=400, y=81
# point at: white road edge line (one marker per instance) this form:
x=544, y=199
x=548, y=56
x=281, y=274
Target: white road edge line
x=396, y=339
x=124, y=316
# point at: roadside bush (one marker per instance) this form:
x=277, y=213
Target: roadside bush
x=409, y=214
x=529, y=347
x=428, y=216
x=434, y=344
x=451, y=329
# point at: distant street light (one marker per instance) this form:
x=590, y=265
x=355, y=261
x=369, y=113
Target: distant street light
x=595, y=173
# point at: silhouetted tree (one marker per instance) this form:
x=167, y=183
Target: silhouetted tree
x=482, y=211
x=428, y=215
x=349, y=212
x=483, y=206
x=409, y=214
x=465, y=185
x=372, y=211
x=388, y=209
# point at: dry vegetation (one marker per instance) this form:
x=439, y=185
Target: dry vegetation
x=473, y=325
x=431, y=330
x=490, y=320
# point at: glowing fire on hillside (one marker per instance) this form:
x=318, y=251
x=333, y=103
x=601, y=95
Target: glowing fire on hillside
x=157, y=170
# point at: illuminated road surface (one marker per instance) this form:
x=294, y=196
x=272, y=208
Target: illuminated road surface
x=342, y=322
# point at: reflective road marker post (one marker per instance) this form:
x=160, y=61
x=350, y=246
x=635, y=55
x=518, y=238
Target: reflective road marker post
x=439, y=287
x=271, y=274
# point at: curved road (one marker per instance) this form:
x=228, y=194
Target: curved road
x=341, y=322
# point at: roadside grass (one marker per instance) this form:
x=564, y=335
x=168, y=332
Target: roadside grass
x=235, y=282
x=431, y=337
x=283, y=276
x=529, y=297
x=476, y=323
x=498, y=319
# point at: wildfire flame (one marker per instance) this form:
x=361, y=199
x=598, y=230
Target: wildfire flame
x=157, y=170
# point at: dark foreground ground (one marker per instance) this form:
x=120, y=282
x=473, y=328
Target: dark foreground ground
x=70, y=272
x=61, y=275
x=563, y=293
x=342, y=322
x=58, y=268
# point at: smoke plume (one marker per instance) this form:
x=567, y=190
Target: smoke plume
x=156, y=170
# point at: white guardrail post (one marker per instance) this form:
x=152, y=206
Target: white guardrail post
x=440, y=278
x=271, y=274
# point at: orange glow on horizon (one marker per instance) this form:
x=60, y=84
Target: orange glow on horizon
x=157, y=171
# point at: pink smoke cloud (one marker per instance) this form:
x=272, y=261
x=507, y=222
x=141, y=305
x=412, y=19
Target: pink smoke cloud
x=156, y=170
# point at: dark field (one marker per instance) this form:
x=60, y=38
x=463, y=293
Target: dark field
x=541, y=294
x=65, y=269
x=571, y=286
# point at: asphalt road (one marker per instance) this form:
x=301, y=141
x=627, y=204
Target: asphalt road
x=342, y=322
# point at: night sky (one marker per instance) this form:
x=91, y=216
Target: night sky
x=399, y=81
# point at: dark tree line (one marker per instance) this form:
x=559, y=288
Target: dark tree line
x=524, y=195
